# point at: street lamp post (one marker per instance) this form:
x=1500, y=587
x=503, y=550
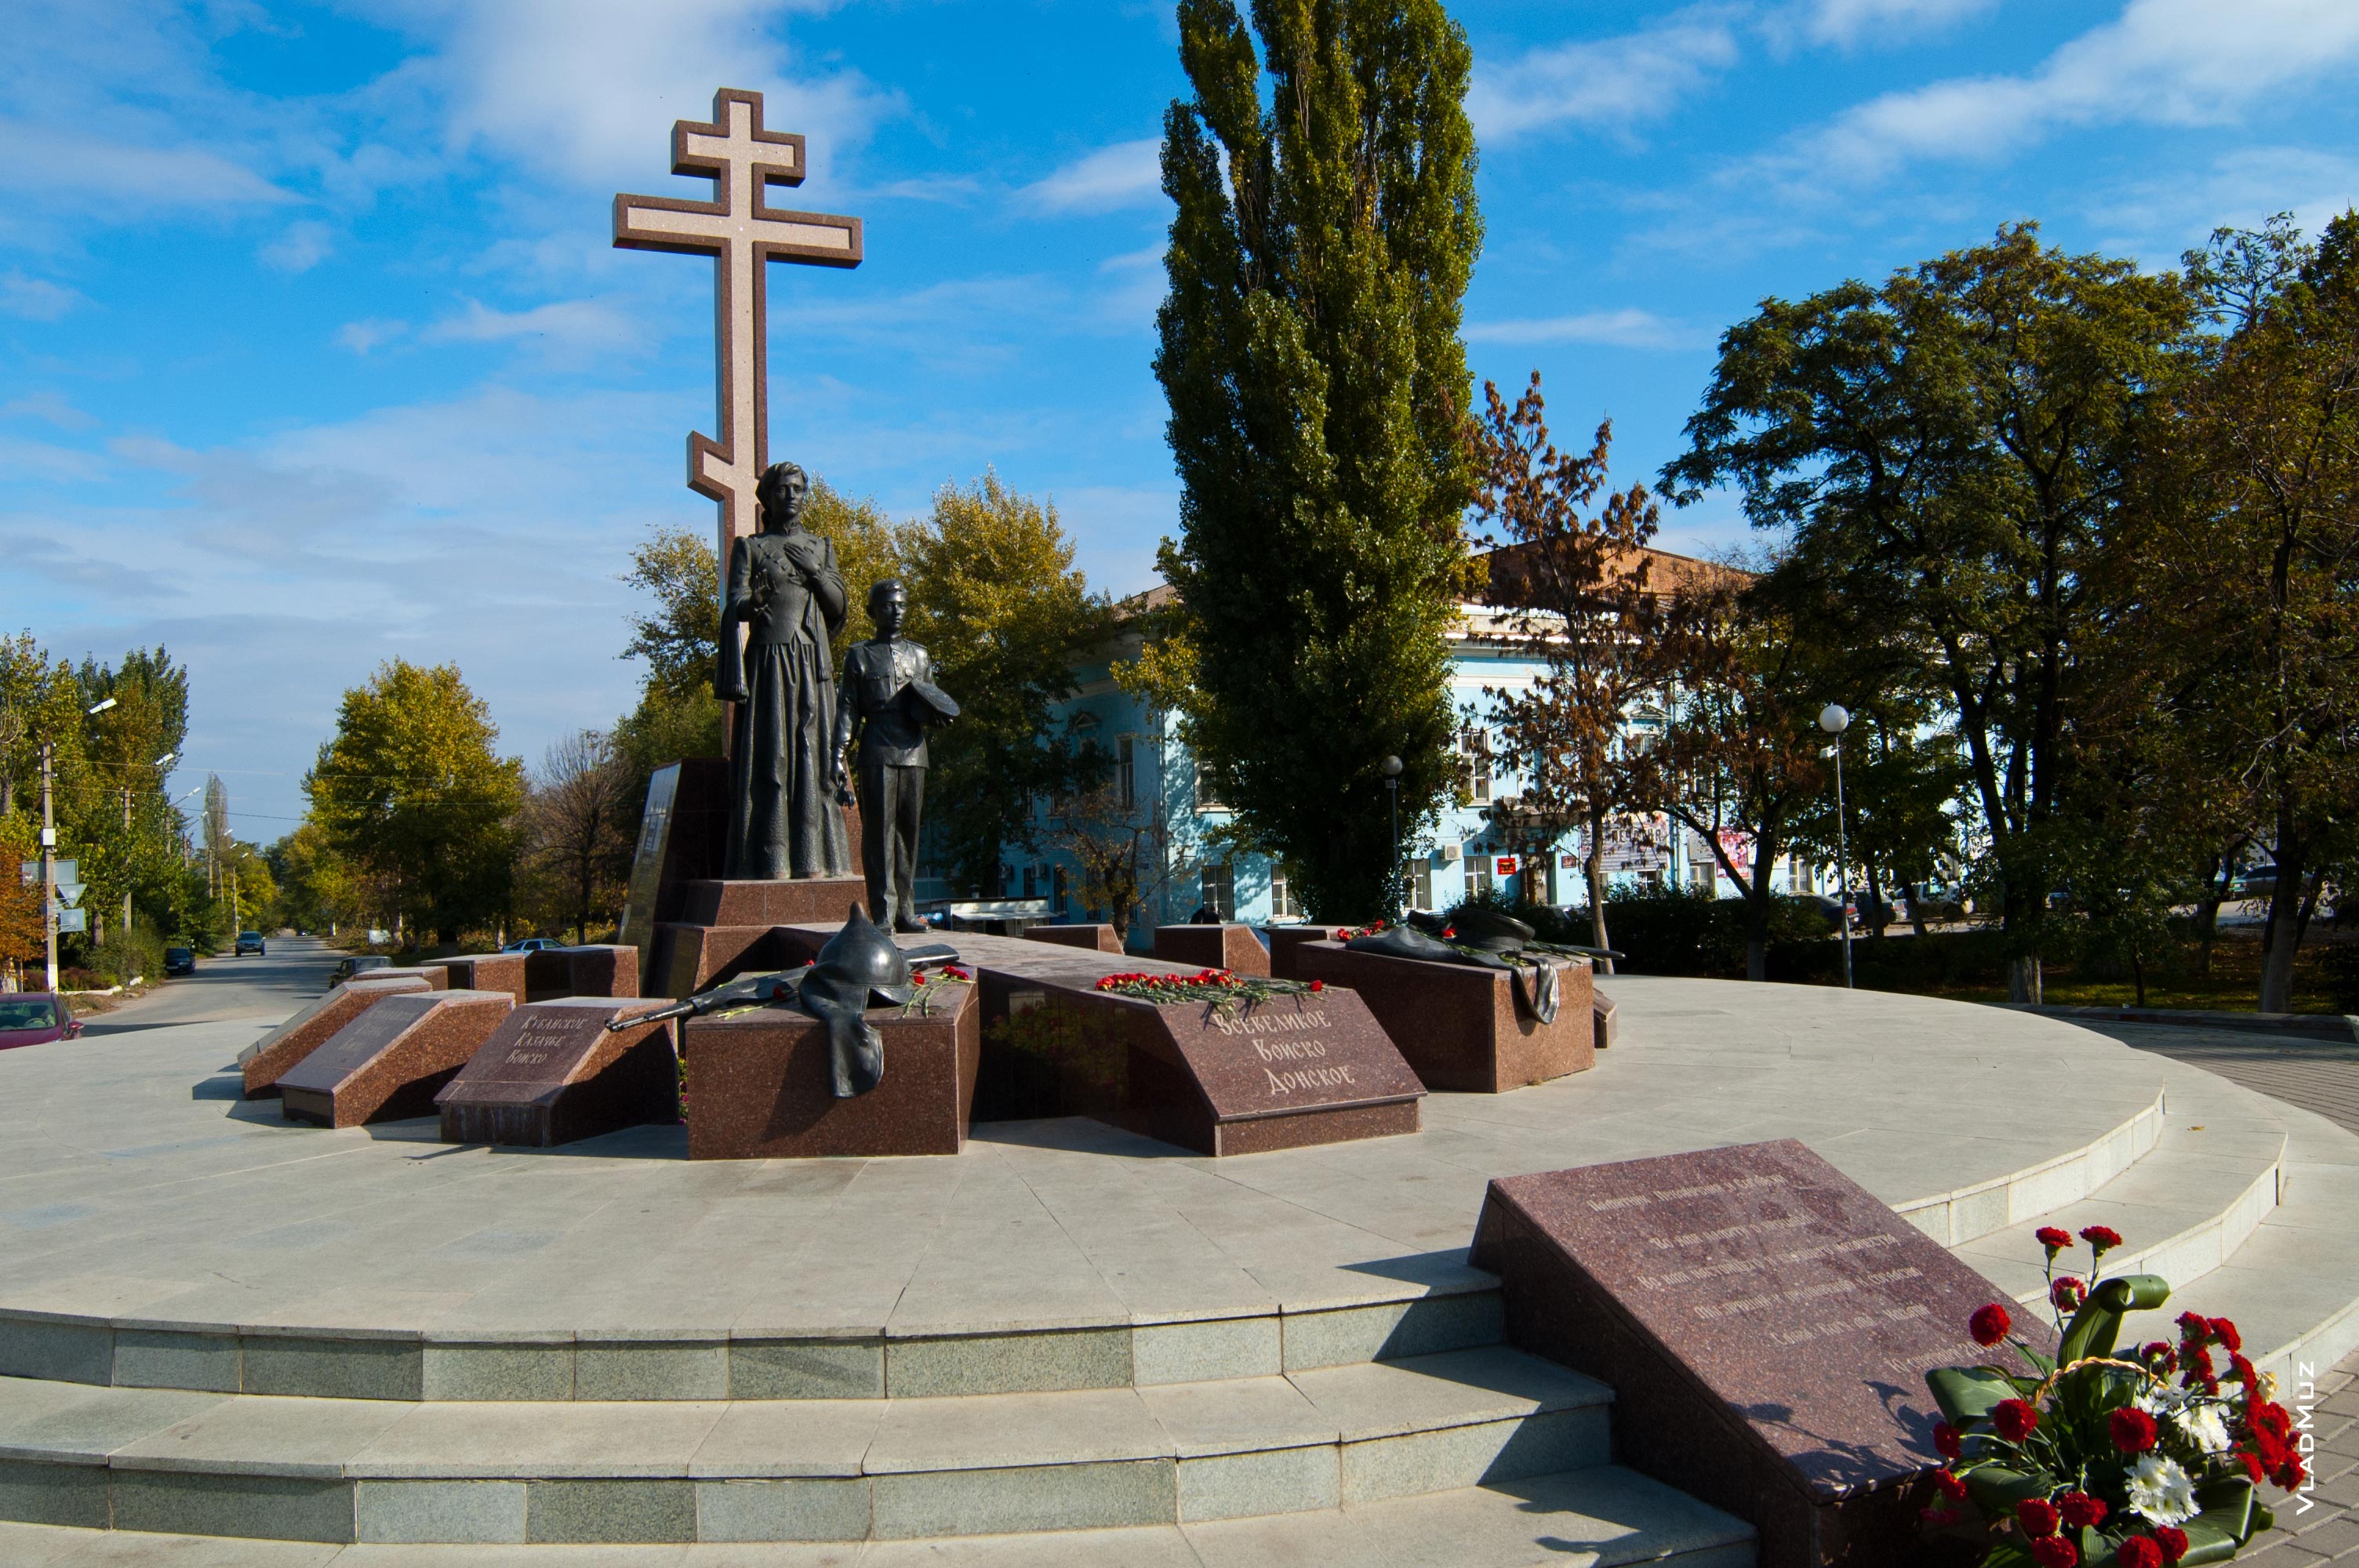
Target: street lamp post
x=1834, y=718
x=1392, y=766
x=50, y=851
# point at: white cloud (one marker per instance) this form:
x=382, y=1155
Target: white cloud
x=2159, y=218
x=35, y=299
x=1625, y=328
x=1602, y=84
x=587, y=89
x=2174, y=62
x=1125, y=174
x=1846, y=23
x=122, y=181
x=49, y=407
x=366, y=336
x=563, y=324
x=301, y=246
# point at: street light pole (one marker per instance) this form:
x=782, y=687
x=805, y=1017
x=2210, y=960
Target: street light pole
x=1393, y=879
x=1834, y=718
x=48, y=871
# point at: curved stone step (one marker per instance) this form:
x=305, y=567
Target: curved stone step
x=2209, y=1183
x=1603, y=1516
x=817, y=1470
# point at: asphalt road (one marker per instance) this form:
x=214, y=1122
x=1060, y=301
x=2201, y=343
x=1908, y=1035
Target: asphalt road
x=226, y=990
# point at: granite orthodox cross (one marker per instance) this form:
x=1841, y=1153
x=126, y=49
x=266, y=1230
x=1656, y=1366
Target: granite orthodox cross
x=742, y=233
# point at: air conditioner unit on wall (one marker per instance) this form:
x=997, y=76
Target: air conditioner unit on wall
x=1446, y=854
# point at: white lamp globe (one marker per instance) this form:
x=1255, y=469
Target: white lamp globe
x=1834, y=718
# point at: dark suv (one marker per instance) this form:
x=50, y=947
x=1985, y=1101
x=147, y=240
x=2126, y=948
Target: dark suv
x=251, y=942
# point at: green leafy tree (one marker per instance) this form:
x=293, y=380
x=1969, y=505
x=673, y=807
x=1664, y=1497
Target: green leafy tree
x=410, y=788
x=41, y=699
x=1326, y=229
x=1949, y=451
x=2248, y=559
x=996, y=598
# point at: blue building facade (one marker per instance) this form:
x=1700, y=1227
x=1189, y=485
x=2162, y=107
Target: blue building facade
x=1161, y=808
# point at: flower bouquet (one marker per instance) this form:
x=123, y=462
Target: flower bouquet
x=2107, y=1459
x=1223, y=990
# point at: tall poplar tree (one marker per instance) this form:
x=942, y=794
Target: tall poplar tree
x=1309, y=350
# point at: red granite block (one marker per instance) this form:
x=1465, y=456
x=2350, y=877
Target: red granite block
x=1607, y=1016
x=485, y=972
x=387, y=1063
x=1227, y=947
x=263, y=1062
x=794, y=902
x=599, y=969
x=1459, y=1024
x=691, y=957
x=433, y=974
x=553, y=1072
x=1285, y=939
x=1097, y=939
x=758, y=1083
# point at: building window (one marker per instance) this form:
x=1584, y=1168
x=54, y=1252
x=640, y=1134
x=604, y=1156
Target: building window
x=1421, y=872
x=1208, y=790
x=1478, y=873
x=1057, y=889
x=1126, y=772
x=1031, y=881
x=1221, y=889
x=1282, y=905
x=1478, y=764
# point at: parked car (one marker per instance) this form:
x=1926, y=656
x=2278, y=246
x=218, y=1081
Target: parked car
x=179, y=960
x=250, y=942
x=358, y=963
x=34, y=1018
x=2257, y=881
x=533, y=944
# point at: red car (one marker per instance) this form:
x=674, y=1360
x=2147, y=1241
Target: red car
x=34, y=1018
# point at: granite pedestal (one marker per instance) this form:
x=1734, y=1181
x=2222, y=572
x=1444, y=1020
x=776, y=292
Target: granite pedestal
x=486, y=972
x=262, y=1062
x=553, y=1073
x=1096, y=939
x=387, y=1063
x=722, y=929
x=1606, y=1016
x=599, y=969
x=1225, y=946
x=758, y=1082
x=1290, y=1072
x=1460, y=1025
x=1285, y=939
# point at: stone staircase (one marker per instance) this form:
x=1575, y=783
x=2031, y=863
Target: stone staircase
x=1392, y=1429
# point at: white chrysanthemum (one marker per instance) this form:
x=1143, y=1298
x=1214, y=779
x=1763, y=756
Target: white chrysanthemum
x=2160, y=1492
x=2203, y=1425
x=2157, y=1399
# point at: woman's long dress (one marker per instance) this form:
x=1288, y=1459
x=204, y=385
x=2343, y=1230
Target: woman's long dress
x=783, y=816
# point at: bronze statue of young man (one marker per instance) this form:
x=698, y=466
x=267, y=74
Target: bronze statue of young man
x=889, y=699
x=784, y=589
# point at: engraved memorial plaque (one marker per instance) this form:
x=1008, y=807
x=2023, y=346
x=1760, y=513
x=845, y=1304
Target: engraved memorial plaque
x=553, y=1072
x=387, y=1063
x=1766, y=1326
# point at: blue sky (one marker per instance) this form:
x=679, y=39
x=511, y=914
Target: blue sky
x=314, y=353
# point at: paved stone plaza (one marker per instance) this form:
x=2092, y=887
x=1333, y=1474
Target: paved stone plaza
x=217, y=1321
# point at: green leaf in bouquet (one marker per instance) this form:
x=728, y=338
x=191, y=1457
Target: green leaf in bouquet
x=2010, y=1552
x=1996, y=1491
x=1969, y=1393
x=2098, y=1324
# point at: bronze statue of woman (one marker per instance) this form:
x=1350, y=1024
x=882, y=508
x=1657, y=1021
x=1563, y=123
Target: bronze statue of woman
x=785, y=590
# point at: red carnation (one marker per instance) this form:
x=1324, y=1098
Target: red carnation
x=2290, y=1473
x=2155, y=1353
x=2014, y=1420
x=2244, y=1372
x=2067, y=1292
x=2225, y=1334
x=1951, y=1486
x=1946, y=1439
x=2253, y=1467
x=2193, y=1327
x=2131, y=1429
x=2138, y=1552
x=2037, y=1516
x=1319, y=985
x=2100, y=1238
x=2081, y=1510
x=1989, y=1325
x=2197, y=1363
x=2172, y=1541
x=2054, y=1237
x=2055, y=1552
x=2270, y=1419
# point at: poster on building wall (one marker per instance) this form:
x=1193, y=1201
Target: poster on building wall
x=1503, y=865
x=1635, y=846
